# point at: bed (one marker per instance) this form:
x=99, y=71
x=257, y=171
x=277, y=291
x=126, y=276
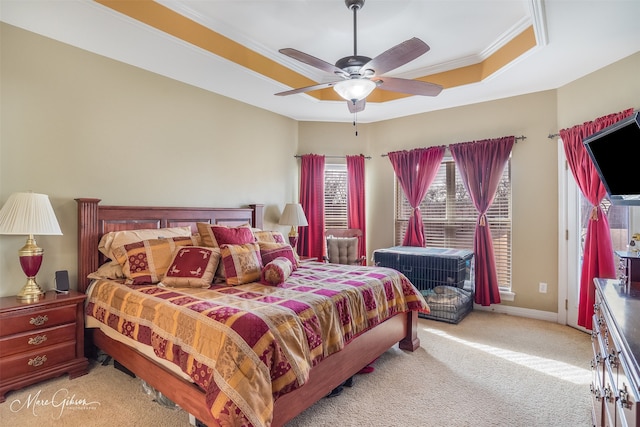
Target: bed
x=326, y=371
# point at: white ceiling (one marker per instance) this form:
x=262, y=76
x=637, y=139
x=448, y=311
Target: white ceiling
x=574, y=38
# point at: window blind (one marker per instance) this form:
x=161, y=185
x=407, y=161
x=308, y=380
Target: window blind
x=449, y=217
x=335, y=195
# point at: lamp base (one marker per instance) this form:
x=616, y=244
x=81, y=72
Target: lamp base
x=293, y=241
x=293, y=237
x=30, y=260
x=30, y=292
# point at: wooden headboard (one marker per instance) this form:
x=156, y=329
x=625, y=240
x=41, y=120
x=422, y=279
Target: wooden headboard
x=95, y=220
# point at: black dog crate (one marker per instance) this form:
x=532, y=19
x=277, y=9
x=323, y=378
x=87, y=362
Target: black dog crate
x=443, y=276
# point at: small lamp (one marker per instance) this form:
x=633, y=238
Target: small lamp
x=29, y=214
x=293, y=215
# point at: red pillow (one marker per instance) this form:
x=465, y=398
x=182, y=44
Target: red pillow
x=233, y=235
x=217, y=235
x=192, y=267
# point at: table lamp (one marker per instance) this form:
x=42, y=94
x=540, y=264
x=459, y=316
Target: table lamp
x=293, y=215
x=29, y=214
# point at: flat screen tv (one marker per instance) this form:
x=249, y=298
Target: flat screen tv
x=613, y=151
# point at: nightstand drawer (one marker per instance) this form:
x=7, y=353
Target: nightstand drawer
x=35, y=340
x=40, y=359
x=37, y=319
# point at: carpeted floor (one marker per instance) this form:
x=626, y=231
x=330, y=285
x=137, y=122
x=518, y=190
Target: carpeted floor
x=489, y=370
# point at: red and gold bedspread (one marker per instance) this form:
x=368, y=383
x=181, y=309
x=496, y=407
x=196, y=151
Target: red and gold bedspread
x=246, y=345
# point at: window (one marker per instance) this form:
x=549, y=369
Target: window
x=618, y=216
x=449, y=216
x=335, y=195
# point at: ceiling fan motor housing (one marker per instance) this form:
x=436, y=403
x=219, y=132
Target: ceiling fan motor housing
x=352, y=64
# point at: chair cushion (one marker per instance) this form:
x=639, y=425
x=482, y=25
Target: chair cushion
x=342, y=250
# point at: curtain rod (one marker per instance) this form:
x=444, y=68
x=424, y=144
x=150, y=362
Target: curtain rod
x=517, y=138
x=297, y=156
x=555, y=135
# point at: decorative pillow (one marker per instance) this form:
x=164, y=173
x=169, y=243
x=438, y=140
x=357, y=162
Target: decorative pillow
x=192, y=267
x=242, y=263
x=271, y=251
x=116, y=239
x=215, y=236
x=108, y=270
x=277, y=271
x=269, y=236
x=147, y=261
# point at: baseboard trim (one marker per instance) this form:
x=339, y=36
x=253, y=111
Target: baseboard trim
x=519, y=311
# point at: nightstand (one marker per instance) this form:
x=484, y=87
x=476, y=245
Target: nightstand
x=41, y=340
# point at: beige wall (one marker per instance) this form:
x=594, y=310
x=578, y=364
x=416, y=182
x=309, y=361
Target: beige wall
x=612, y=89
x=75, y=124
x=66, y=113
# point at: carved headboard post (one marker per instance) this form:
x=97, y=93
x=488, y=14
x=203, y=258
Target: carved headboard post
x=88, y=235
x=257, y=218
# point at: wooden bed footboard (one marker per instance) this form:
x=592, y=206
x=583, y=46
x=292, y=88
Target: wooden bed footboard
x=95, y=220
x=323, y=378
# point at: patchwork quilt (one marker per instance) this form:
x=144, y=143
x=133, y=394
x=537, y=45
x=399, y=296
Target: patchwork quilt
x=247, y=345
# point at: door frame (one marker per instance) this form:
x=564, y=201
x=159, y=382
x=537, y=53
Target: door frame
x=568, y=244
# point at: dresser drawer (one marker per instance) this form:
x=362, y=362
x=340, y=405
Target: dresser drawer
x=628, y=396
x=34, y=340
x=37, y=360
x=36, y=319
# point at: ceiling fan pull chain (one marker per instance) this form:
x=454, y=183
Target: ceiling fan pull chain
x=355, y=121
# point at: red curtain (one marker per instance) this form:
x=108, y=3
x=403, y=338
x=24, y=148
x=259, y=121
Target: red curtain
x=416, y=170
x=355, y=199
x=598, y=258
x=311, y=241
x=480, y=165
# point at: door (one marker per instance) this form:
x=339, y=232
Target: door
x=569, y=239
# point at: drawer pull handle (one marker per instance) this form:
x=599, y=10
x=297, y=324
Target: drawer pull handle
x=624, y=397
x=613, y=359
x=37, y=361
x=39, y=321
x=38, y=339
x=608, y=395
x=596, y=392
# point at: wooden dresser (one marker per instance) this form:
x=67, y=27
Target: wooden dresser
x=41, y=340
x=615, y=386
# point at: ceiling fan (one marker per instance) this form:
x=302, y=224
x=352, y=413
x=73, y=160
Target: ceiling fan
x=360, y=75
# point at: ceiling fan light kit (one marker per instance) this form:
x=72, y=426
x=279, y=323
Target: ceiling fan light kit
x=354, y=89
x=360, y=75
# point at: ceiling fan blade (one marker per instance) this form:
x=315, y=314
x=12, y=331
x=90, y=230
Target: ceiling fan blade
x=308, y=88
x=357, y=106
x=312, y=60
x=413, y=87
x=397, y=56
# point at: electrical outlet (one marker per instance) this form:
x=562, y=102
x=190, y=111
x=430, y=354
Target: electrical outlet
x=542, y=288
